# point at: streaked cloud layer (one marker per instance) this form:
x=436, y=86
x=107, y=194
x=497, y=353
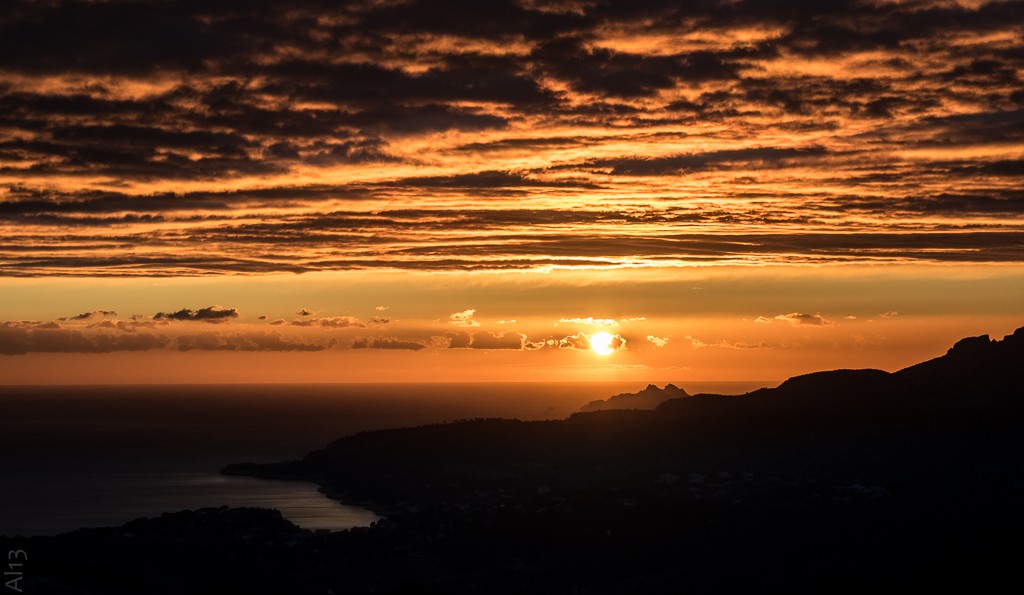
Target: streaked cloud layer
x=207, y=138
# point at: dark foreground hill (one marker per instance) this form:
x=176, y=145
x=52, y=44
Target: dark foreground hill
x=832, y=482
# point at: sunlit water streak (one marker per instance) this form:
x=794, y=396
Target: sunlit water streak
x=42, y=507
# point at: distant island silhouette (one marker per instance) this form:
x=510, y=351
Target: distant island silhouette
x=648, y=398
x=832, y=482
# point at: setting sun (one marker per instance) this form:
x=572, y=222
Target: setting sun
x=601, y=343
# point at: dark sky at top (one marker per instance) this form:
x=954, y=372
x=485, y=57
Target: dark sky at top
x=247, y=137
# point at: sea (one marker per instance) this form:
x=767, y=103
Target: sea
x=95, y=456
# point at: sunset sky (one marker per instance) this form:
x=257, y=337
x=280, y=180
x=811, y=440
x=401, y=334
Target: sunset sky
x=449, y=190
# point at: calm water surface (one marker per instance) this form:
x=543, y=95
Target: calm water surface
x=74, y=457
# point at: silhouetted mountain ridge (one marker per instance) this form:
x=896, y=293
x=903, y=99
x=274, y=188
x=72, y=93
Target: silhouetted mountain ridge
x=893, y=428
x=974, y=368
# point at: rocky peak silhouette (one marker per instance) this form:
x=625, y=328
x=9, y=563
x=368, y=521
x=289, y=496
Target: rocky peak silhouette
x=648, y=398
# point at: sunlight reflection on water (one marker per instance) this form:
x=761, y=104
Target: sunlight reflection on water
x=112, y=500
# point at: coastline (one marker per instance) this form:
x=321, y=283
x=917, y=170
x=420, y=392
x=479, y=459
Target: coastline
x=342, y=497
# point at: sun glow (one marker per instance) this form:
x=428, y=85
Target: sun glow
x=601, y=343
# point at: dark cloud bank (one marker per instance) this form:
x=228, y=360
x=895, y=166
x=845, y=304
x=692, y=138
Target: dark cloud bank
x=909, y=112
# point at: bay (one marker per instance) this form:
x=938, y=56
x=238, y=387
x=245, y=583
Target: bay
x=88, y=456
